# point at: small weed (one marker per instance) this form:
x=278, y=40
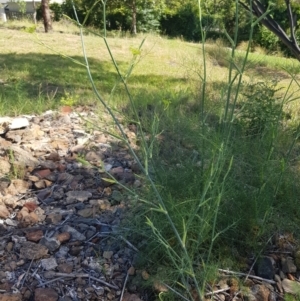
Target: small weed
x=69, y=99
x=17, y=171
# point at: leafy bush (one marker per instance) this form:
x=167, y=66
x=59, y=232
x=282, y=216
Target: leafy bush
x=260, y=108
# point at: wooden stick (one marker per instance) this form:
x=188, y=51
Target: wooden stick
x=82, y=275
x=249, y=276
x=124, y=285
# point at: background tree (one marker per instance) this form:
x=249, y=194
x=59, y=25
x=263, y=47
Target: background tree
x=46, y=15
x=128, y=15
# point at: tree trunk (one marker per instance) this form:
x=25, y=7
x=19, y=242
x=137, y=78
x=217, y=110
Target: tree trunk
x=46, y=15
x=34, y=12
x=133, y=26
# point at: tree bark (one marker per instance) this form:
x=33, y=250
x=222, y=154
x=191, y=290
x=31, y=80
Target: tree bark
x=133, y=26
x=34, y=12
x=46, y=15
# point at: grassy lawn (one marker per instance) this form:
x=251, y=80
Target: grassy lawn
x=224, y=163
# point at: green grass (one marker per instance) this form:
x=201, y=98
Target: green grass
x=221, y=188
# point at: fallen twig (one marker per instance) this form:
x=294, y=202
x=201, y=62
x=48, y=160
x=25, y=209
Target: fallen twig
x=50, y=281
x=217, y=291
x=129, y=244
x=174, y=291
x=81, y=275
x=249, y=276
x=124, y=285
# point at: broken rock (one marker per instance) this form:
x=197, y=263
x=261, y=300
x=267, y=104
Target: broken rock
x=30, y=250
x=45, y=294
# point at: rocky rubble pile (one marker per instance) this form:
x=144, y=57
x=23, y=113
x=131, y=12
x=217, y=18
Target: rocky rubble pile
x=58, y=212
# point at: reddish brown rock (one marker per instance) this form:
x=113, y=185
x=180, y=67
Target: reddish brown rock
x=31, y=206
x=65, y=268
x=54, y=157
x=34, y=236
x=4, y=213
x=43, y=173
x=45, y=294
x=63, y=237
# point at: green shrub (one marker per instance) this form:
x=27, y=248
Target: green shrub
x=261, y=109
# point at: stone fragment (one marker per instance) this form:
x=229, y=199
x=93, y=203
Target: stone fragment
x=33, y=178
x=291, y=287
x=260, y=292
x=54, y=156
x=11, y=297
x=131, y=271
x=48, y=164
x=44, y=194
x=4, y=183
x=130, y=297
x=108, y=254
x=75, y=235
x=288, y=265
x=75, y=250
x=18, y=186
x=49, y=263
x=63, y=237
x=159, y=287
x=81, y=196
x=30, y=250
x=264, y=267
x=35, y=235
x=42, y=173
x=93, y=157
x=24, y=157
x=40, y=184
x=86, y=212
x=65, y=178
x=18, y=123
x=4, y=167
x=4, y=213
x=53, y=218
x=4, y=144
x=9, y=246
x=31, y=206
x=145, y=275
x=59, y=144
x=11, y=200
x=51, y=244
x=4, y=123
x=45, y=294
x=65, y=268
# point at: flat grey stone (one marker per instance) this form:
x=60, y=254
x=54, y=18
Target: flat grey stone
x=75, y=235
x=79, y=195
x=49, y=263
